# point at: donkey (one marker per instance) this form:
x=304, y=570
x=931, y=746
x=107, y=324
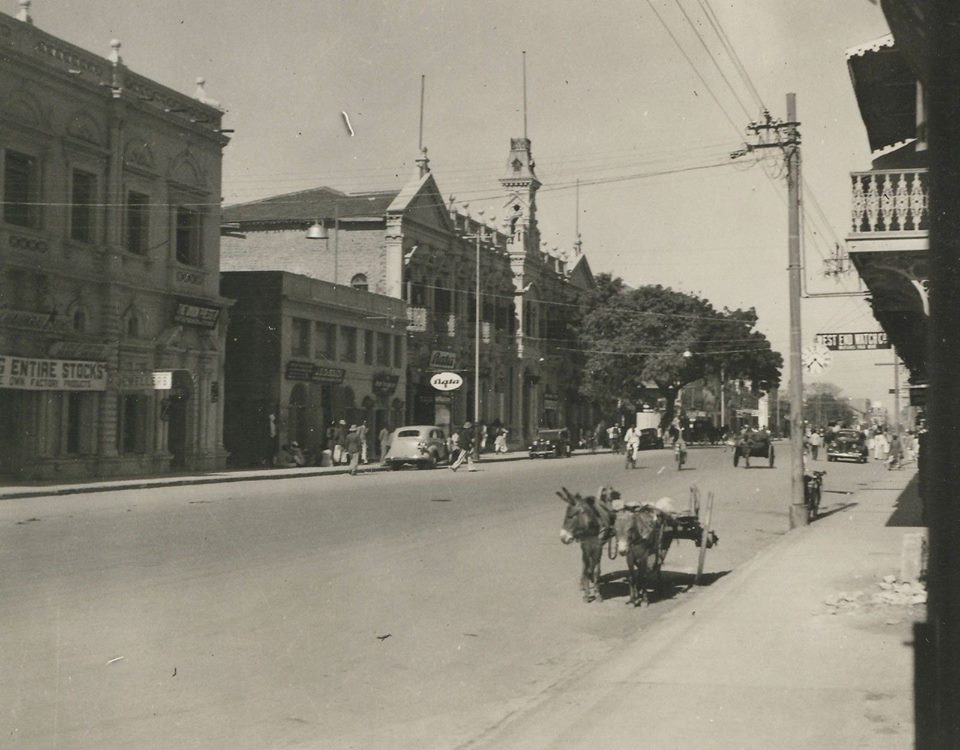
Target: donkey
x=641, y=538
x=586, y=522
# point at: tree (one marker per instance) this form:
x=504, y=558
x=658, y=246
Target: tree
x=823, y=404
x=654, y=334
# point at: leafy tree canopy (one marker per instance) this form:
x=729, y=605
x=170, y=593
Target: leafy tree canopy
x=634, y=337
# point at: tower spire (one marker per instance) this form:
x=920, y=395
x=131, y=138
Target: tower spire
x=524, y=56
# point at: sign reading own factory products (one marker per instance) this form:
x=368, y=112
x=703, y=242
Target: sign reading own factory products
x=300, y=370
x=853, y=342
x=52, y=374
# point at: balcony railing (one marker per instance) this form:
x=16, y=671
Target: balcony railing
x=890, y=202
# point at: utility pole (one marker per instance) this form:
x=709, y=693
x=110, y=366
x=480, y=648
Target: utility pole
x=784, y=135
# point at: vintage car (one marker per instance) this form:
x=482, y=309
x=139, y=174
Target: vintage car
x=423, y=446
x=649, y=439
x=753, y=444
x=551, y=442
x=847, y=445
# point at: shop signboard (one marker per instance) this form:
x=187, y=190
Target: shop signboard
x=853, y=342
x=30, y=374
x=446, y=381
x=195, y=313
x=301, y=370
x=443, y=360
x=385, y=383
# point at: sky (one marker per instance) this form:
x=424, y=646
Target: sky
x=620, y=95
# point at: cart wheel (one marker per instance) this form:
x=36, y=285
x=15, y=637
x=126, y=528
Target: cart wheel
x=704, y=540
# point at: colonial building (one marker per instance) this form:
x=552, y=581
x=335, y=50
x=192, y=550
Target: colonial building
x=888, y=240
x=302, y=353
x=111, y=323
x=411, y=246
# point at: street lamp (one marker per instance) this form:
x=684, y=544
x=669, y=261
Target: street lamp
x=318, y=231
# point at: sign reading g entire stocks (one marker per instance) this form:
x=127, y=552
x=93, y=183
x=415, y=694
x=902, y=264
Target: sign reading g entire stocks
x=52, y=374
x=853, y=342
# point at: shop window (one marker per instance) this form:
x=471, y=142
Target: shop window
x=348, y=344
x=83, y=202
x=132, y=432
x=187, y=237
x=300, y=338
x=368, y=347
x=383, y=349
x=138, y=206
x=359, y=282
x=327, y=341
x=398, y=351
x=21, y=189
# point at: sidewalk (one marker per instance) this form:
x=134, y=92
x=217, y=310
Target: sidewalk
x=798, y=648
x=44, y=489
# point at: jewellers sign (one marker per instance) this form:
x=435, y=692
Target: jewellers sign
x=52, y=374
x=446, y=381
x=853, y=342
x=193, y=313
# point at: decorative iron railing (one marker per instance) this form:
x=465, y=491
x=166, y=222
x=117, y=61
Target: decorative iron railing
x=890, y=201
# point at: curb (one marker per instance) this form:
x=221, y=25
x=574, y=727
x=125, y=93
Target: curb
x=220, y=478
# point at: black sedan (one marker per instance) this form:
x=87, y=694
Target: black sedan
x=553, y=442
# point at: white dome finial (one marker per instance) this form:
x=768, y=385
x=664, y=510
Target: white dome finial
x=24, y=14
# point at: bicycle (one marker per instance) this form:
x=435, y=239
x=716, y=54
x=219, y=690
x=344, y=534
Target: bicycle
x=812, y=490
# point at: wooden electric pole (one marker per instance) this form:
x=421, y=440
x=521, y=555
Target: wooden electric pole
x=784, y=135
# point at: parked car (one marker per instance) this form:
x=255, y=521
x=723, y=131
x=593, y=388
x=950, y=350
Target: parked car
x=649, y=438
x=552, y=442
x=423, y=446
x=847, y=445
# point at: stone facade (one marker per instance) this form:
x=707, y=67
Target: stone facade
x=111, y=323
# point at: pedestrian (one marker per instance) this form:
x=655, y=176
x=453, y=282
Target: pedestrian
x=895, y=457
x=466, y=440
x=880, y=446
x=352, y=448
x=363, y=431
x=631, y=442
x=285, y=459
x=816, y=439
x=339, y=438
x=500, y=442
x=384, y=438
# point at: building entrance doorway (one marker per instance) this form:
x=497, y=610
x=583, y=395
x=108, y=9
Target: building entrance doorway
x=175, y=411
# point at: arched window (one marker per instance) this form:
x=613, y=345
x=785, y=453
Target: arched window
x=359, y=282
x=79, y=320
x=133, y=325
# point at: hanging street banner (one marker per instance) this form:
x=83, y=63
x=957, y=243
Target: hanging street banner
x=30, y=374
x=853, y=342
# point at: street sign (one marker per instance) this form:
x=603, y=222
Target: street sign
x=853, y=342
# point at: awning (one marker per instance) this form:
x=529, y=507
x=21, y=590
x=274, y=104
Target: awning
x=886, y=92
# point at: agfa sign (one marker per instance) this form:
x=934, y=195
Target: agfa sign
x=446, y=381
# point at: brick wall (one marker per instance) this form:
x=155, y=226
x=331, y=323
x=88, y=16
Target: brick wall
x=359, y=250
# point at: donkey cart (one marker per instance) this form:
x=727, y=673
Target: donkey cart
x=643, y=534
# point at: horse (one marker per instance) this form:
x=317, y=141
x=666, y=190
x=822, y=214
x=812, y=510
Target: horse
x=642, y=539
x=587, y=521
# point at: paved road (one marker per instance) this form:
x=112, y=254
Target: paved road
x=389, y=610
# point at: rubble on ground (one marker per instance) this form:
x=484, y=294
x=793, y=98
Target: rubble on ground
x=889, y=592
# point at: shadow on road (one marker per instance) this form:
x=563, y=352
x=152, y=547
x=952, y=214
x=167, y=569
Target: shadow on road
x=614, y=585
x=838, y=509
